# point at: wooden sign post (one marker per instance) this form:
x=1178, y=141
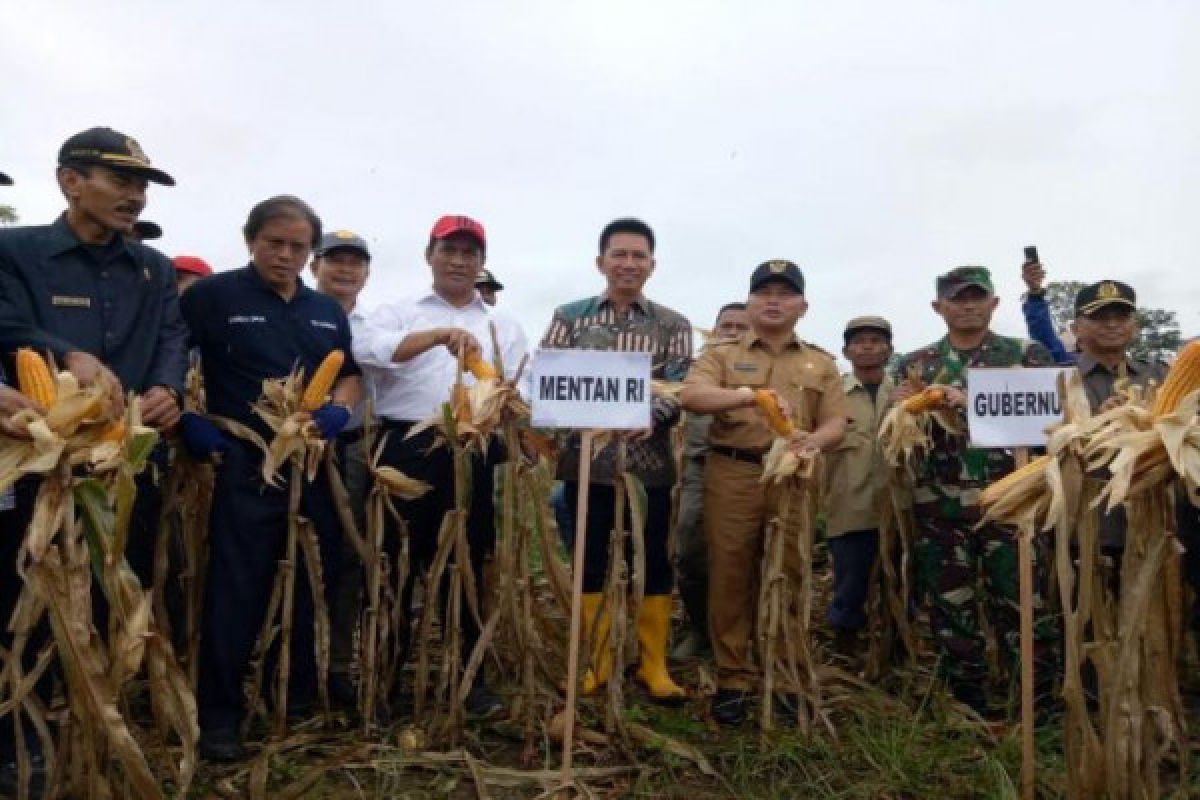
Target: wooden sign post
x=581, y=509
x=1012, y=407
x=1025, y=570
x=594, y=391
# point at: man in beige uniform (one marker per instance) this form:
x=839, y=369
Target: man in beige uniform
x=737, y=507
x=854, y=479
x=691, y=549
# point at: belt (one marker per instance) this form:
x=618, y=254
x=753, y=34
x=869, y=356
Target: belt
x=738, y=454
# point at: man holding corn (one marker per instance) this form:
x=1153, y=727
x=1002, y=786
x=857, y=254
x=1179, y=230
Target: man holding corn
x=105, y=308
x=691, y=548
x=413, y=347
x=253, y=324
x=804, y=381
x=623, y=319
x=952, y=552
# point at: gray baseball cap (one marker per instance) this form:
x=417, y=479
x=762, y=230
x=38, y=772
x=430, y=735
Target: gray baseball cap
x=343, y=240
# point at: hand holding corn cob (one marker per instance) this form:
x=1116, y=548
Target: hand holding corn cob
x=772, y=406
x=12, y=401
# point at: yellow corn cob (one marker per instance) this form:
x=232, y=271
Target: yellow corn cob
x=482, y=370
x=1182, y=379
x=34, y=378
x=765, y=400
x=322, y=381
x=115, y=432
x=1005, y=484
x=924, y=400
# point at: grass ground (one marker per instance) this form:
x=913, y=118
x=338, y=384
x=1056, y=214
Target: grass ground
x=893, y=741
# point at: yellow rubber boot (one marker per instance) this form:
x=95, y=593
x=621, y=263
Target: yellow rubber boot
x=595, y=618
x=653, y=625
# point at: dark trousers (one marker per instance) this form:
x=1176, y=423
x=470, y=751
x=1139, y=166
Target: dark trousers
x=1188, y=518
x=854, y=555
x=13, y=524
x=600, y=524
x=347, y=607
x=139, y=552
x=247, y=539
x=419, y=458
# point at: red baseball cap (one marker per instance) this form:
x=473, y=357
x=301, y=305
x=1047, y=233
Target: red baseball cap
x=192, y=264
x=451, y=224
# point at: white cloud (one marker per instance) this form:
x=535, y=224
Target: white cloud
x=876, y=144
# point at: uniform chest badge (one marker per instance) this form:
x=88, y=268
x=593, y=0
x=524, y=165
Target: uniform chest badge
x=66, y=301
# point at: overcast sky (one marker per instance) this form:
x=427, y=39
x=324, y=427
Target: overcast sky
x=875, y=144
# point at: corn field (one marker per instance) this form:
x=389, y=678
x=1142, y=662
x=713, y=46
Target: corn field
x=1123, y=735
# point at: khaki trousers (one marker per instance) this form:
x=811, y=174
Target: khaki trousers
x=737, y=509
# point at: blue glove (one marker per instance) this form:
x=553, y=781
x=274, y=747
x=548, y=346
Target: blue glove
x=330, y=419
x=202, y=439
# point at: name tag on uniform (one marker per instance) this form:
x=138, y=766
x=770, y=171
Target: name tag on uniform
x=745, y=367
x=66, y=301
x=320, y=323
x=246, y=319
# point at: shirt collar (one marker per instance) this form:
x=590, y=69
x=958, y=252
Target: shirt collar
x=751, y=338
x=63, y=239
x=851, y=382
x=433, y=298
x=251, y=276
x=987, y=343
x=1087, y=365
x=640, y=302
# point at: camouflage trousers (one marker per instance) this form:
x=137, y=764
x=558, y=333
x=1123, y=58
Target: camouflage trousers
x=956, y=563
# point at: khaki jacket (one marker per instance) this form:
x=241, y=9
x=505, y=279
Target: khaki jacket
x=855, y=473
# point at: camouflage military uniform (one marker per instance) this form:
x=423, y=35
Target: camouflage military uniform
x=952, y=553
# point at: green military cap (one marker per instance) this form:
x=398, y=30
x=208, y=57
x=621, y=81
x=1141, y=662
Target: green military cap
x=1105, y=293
x=867, y=323
x=960, y=278
x=780, y=270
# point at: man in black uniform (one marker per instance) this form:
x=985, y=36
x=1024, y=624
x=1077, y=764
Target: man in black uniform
x=251, y=324
x=105, y=307
x=1105, y=326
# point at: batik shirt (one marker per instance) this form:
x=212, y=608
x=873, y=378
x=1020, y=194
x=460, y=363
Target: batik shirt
x=594, y=324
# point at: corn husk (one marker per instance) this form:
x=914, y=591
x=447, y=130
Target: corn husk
x=1122, y=457
x=904, y=435
x=77, y=535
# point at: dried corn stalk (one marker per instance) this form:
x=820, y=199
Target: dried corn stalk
x=785, y=602
x=382, y=614
x=78, y=534
x=1131, y=642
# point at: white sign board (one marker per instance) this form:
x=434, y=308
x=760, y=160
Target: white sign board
x=1012, y=407
x=591, y=389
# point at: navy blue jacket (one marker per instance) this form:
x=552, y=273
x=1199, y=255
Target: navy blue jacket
x=116, y=301
x=246, y=332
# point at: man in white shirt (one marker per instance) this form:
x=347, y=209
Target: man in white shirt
x=413, y=346
x=340, y=265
